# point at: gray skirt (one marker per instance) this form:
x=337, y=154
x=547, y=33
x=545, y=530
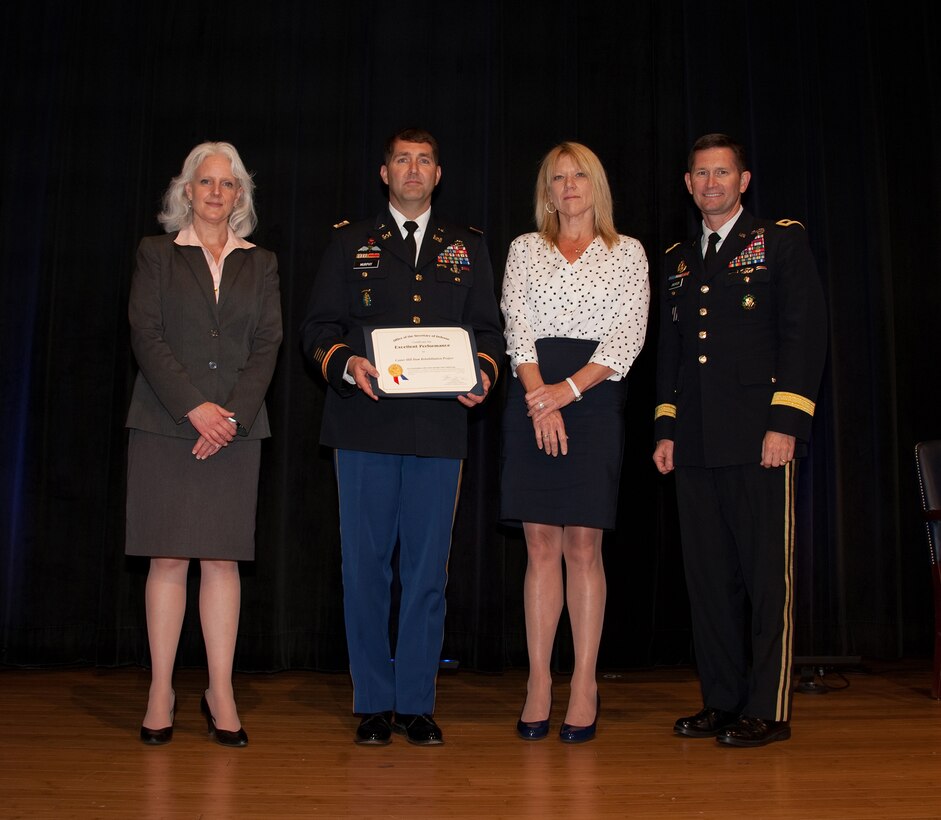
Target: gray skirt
x=178, y=507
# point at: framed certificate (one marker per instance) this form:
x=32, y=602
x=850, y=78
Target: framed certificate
x=428, y=362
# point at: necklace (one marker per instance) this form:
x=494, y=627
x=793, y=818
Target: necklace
x=577, y=247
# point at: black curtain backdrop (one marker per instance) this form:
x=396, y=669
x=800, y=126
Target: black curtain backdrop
x=101, y=102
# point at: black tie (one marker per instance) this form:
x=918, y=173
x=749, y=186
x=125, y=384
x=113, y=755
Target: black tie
x=411, y=227
x=709, y=260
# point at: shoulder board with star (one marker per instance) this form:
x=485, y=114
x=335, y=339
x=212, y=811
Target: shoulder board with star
x=341, y=224
x=675, y=244
x=786, y=223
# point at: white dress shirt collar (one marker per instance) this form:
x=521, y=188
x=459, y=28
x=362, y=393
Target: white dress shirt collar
x=401, y=219
x=724, y=230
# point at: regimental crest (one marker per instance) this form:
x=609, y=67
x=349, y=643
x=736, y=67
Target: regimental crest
x=675, y=280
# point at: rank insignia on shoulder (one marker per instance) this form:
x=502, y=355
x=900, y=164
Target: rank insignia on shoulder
x=671, y=247
x=786, y=223
x=342, y=224
x=475, y=230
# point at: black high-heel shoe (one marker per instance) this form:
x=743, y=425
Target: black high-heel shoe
x=158, y=737
x=581, y=734
x=222, y=736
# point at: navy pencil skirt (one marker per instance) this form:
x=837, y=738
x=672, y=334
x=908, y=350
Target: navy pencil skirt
x=578, y=489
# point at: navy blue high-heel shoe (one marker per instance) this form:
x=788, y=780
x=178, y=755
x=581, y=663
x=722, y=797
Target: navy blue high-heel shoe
x=580, y=734
x=533, y=730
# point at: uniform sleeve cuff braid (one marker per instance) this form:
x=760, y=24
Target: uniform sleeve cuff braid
x=665, y=410
x=322, y=357
x=794, y=400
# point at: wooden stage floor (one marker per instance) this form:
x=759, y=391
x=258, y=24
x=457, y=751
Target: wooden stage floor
x=69, y=748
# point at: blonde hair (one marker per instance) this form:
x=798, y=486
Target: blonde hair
x=588, y=162
x=177, y=214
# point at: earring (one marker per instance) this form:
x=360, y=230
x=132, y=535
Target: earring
x=550, y=208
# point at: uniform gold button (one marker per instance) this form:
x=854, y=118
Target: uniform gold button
x=703, y=312
x=418, y=277
x=365, y=274
x=705, y=288
x=457, y=278
x=702, y=334
x=416, y=297
x=416, y=320
x=703, y=359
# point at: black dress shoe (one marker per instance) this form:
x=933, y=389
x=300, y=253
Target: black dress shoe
x=224, y=737
x=419, y=729
x=752, y=731
x=705, y=723
x=375, y=730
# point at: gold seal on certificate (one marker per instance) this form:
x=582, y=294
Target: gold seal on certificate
x=439, y=362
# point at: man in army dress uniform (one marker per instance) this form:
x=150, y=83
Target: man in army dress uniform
x=741, y=352
x=398, y=460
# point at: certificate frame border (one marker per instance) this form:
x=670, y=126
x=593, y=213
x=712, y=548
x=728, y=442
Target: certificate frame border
x=477, y=390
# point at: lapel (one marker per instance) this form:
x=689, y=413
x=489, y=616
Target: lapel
x=200, y=271
x=388, y=236
x=435, y=240
x=234, y=263
x=694, y=258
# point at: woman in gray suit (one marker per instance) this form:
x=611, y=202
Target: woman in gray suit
x=205, y=317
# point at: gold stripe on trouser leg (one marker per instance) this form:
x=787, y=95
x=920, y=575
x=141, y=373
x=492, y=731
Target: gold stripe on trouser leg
x=783, y=705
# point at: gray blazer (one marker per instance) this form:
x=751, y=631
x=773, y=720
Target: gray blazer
x=190, y=349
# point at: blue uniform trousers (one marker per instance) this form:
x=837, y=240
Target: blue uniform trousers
x=385, y=499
